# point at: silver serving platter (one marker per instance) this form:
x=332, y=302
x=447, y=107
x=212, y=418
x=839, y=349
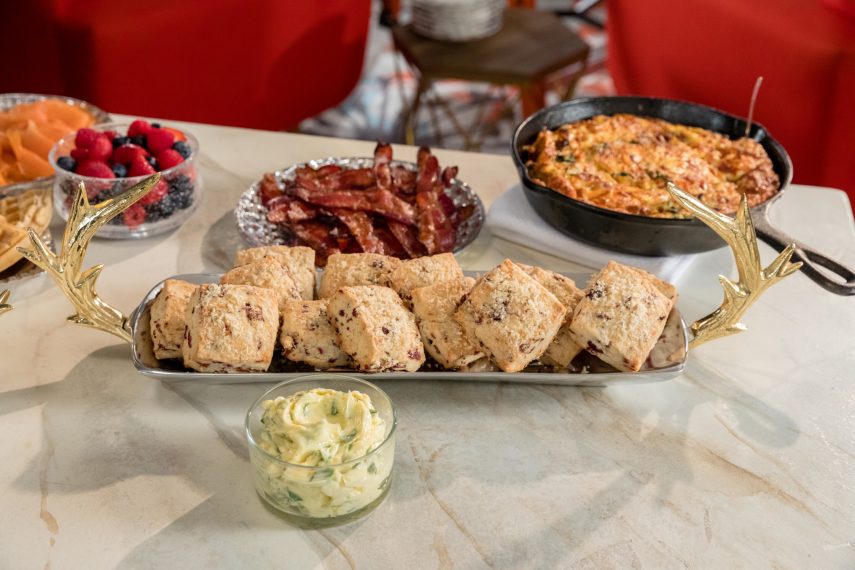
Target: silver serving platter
x=252, y=221
x=666, y=360
x=9, y=100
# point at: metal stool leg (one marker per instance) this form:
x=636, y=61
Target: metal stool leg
x=412, y=112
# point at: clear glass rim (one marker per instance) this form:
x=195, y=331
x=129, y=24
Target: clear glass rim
x=101, y=127
x=314, y=377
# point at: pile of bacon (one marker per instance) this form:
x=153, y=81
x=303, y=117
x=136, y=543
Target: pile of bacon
x=384, y=209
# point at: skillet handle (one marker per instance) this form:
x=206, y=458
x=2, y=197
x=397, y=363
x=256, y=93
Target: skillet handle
x=811, y=259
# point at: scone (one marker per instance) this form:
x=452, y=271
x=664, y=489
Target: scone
x=510, y=316
x=563, y=348
x=307, y=336
x=664, y=287
x=442, y=336
x=267, y=272
x=300, y=260
x=424, y=271
x=230, y=328
x=352, y=269
x=167, y=317
x=620, y=317
x=375, y=329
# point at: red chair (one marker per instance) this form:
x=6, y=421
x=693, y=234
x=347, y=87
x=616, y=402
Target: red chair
x=711, y=52
x=263, y=64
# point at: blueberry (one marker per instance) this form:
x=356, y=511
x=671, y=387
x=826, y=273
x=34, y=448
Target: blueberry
x=66, y=163
x=120, y=170
x=119, y=141
x=152, y=161
x=182, y=148
x=139, y=140
x=155, y=125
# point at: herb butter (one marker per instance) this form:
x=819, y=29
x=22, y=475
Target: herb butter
x=320, y=435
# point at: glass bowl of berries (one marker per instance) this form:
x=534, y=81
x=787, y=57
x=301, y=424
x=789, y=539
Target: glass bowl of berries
x=109, y=158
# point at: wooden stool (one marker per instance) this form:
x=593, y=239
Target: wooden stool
x=530, y=46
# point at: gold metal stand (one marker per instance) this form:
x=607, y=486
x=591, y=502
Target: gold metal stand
x=739, y=234
x=4, y=306
x=65, y=269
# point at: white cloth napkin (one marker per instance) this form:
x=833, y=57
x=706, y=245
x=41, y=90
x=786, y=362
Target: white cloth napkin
x=511, y=217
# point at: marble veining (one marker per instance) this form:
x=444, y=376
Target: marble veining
x=745, y=461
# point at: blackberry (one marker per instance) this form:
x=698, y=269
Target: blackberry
x=108, y=193
x=153, y=213
x=183, y=201
x=119, y=141
x=182, y=148
x=181, y=184
x=163, y=209
x=66, y=163
x=139, y=140
x=120, y=170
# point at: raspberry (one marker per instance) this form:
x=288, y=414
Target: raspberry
x=139, y=127
x=169, y=158
x=156, y=194
x=140, y=167
x=85, y=137
x=101, y=148
x=134, y=216
x=127, y=152
x=79, y=154
x=159, y=140
x=95, y=169
x=110, y=134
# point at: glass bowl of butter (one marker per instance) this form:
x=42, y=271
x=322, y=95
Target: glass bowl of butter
x=322, y=448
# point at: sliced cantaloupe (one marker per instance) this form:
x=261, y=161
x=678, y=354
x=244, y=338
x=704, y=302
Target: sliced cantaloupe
x=27, y=133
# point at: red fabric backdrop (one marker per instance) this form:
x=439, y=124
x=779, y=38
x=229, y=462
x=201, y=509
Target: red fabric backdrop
x=259, y=63
x=711, y=52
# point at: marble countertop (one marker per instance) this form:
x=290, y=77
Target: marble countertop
x=746, y=460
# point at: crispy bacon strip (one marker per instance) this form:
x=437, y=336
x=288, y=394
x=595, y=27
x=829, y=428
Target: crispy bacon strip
x=269, y=189
x=362, y=229
x=435, y=229
x=392, y=245
x=378, y=201
x=403, y=180
x=408, y=237
x=317, y=236
x=287, y=209
x=449, y=173
x=422, y=156
x=382, y=172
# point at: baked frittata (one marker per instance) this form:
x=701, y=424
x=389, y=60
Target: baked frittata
x=622, y=163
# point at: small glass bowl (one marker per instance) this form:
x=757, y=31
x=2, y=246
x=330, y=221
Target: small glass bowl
x=327, y=495
x=185, y=189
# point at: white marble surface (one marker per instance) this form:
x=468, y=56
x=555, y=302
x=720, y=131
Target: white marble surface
x=747, y=460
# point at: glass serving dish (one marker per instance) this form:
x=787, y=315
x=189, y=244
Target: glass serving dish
x=182, y=199
x=326, y=494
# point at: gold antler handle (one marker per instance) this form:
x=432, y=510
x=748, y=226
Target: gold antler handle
x=84, y=221
x=4, y=298
x=739, y=234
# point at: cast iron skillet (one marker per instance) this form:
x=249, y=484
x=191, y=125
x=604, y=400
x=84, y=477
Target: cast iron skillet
x=642, y=235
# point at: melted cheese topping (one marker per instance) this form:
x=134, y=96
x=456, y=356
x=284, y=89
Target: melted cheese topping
x=622, y=163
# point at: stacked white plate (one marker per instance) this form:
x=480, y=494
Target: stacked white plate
x=457, y=20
